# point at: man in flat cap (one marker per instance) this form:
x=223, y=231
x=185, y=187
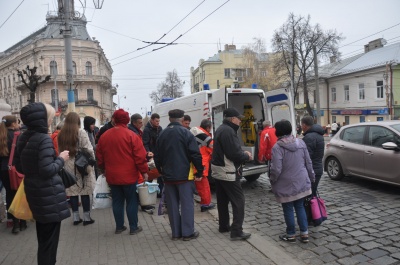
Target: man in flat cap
x=176, y=149
x=226, y=167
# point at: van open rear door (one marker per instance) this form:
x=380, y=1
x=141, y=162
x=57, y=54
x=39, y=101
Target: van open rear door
x=280, y=107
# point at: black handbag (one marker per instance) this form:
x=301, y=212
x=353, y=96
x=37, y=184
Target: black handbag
x=67, y=178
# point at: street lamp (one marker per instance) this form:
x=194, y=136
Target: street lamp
x=124, y=97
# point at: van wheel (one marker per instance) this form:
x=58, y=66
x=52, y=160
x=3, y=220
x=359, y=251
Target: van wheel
x=252, y=177
x=334, y=169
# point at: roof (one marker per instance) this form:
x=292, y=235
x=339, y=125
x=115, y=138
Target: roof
x=53, y=31
x=372, y=59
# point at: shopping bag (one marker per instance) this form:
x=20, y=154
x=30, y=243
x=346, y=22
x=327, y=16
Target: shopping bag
x=318, y=210
x=101, y=194
x=19, y=206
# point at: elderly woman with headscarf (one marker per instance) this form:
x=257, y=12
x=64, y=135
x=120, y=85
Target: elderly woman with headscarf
x=120, y=152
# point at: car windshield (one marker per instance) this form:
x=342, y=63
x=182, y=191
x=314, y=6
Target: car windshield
x=396, y=127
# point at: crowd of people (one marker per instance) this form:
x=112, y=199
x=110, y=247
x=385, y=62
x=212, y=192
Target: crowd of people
x=184, y=156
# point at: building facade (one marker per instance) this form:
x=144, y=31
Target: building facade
x=44, y=49
x=227, y=68
x=365, y=87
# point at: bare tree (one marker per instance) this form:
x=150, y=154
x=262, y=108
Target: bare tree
x=255, y=61
x=294, y=41
x=170, y=88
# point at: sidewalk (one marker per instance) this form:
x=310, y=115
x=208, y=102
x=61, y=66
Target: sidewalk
x=97, y=244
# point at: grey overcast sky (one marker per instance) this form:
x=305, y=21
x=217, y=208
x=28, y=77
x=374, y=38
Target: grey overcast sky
x=122, y=25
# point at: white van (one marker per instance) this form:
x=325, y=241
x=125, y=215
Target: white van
x=210, y=104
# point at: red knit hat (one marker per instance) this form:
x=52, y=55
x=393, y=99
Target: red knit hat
x=121, y=117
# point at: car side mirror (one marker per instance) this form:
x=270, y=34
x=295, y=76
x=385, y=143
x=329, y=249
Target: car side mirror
x=390, y=146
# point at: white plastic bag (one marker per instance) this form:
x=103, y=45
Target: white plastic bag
x=101, y=194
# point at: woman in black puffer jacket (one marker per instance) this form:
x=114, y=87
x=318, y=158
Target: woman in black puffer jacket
x=44, y=189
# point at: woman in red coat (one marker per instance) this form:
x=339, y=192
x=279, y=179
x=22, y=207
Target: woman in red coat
x=120, y=152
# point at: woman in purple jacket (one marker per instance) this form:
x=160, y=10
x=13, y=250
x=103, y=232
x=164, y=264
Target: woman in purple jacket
x=291, y=177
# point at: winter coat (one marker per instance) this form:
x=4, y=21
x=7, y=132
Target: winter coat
x=205, y=143
x=150, y=135
x=267, y=141
x=228, y=156
x=291, y=170
x=314, y=139
x=36, y=158
x=84, y=185
x=122, y=155
x=176, y=148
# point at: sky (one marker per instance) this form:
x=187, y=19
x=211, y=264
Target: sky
x=121, y=26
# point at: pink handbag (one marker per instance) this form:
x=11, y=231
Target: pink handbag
x=318, y=210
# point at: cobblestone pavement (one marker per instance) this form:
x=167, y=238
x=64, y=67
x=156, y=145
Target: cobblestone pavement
x=97, y=244
x=363, y=225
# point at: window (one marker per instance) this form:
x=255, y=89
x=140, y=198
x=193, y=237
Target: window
x=333, y=119
x=53, y=68
x=73, y=68
x=379, y=135
x=76, y=95
x=346, y=93
x=53, y=96
x=361, y=91
x=227, y=73
x=263, y=73
x=90, y=94
x=354, y=134
x=88, y=68
x=379, y=89
x=362, y=118
x=9, y=82
x=333, y=94
x=204, y=75
x=346, y=120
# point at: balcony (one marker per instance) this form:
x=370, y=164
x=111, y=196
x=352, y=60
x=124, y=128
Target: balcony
x=79, y=103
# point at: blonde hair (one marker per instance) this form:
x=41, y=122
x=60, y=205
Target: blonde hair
x=51, y=112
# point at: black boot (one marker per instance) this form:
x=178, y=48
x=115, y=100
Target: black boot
x=15, y=229
x=22, y=225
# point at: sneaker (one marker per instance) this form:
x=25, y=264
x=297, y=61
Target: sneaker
x=137, y=230
x=78, y=222
x=120, y=230
x=205, y=208
x=242, y=236
x=149, y=211
x=290, y=239
x=88, y=222
x=175, y=238
x=192, y=236
x=304, y=238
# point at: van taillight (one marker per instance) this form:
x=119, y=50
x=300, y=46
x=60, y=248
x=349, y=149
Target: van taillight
x=236, y=91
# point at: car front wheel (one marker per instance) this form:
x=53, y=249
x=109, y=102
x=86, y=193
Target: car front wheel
x=334, y=169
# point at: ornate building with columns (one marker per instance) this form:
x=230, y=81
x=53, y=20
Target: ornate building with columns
x=44, y=49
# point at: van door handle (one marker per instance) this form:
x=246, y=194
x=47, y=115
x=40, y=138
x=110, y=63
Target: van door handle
x=369, y=153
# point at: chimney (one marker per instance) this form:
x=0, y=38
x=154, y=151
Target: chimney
x=375, y=44
x=230, y=47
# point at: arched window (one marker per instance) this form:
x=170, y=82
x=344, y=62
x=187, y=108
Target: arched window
x=88, y=68
x=73, y=68
x=53, y=68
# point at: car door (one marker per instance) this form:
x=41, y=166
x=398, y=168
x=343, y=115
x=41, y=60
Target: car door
x=351, y=150
x=380, y=163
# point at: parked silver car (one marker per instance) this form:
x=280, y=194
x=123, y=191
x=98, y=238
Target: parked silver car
x=370, y=150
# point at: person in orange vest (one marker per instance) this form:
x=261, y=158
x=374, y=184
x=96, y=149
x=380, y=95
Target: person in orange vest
x=267, y=141
x=205, y=142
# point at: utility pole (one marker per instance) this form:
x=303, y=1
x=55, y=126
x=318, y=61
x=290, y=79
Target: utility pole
x=291, y=93
x=55, y=92
x=68, y=54
x=317, y=86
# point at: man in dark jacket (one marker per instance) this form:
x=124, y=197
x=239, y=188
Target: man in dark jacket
x=314, y=139
x=150, y=134
x=103, y=129
x=226, y=167
x=176, y=149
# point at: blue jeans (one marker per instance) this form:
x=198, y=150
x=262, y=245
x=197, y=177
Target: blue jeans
x=289, y=217
x=120, y=194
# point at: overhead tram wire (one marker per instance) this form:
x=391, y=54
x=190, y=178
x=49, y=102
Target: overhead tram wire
x=165, y=34
x=369, y=36
x=172, y=43
x=11, y=14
